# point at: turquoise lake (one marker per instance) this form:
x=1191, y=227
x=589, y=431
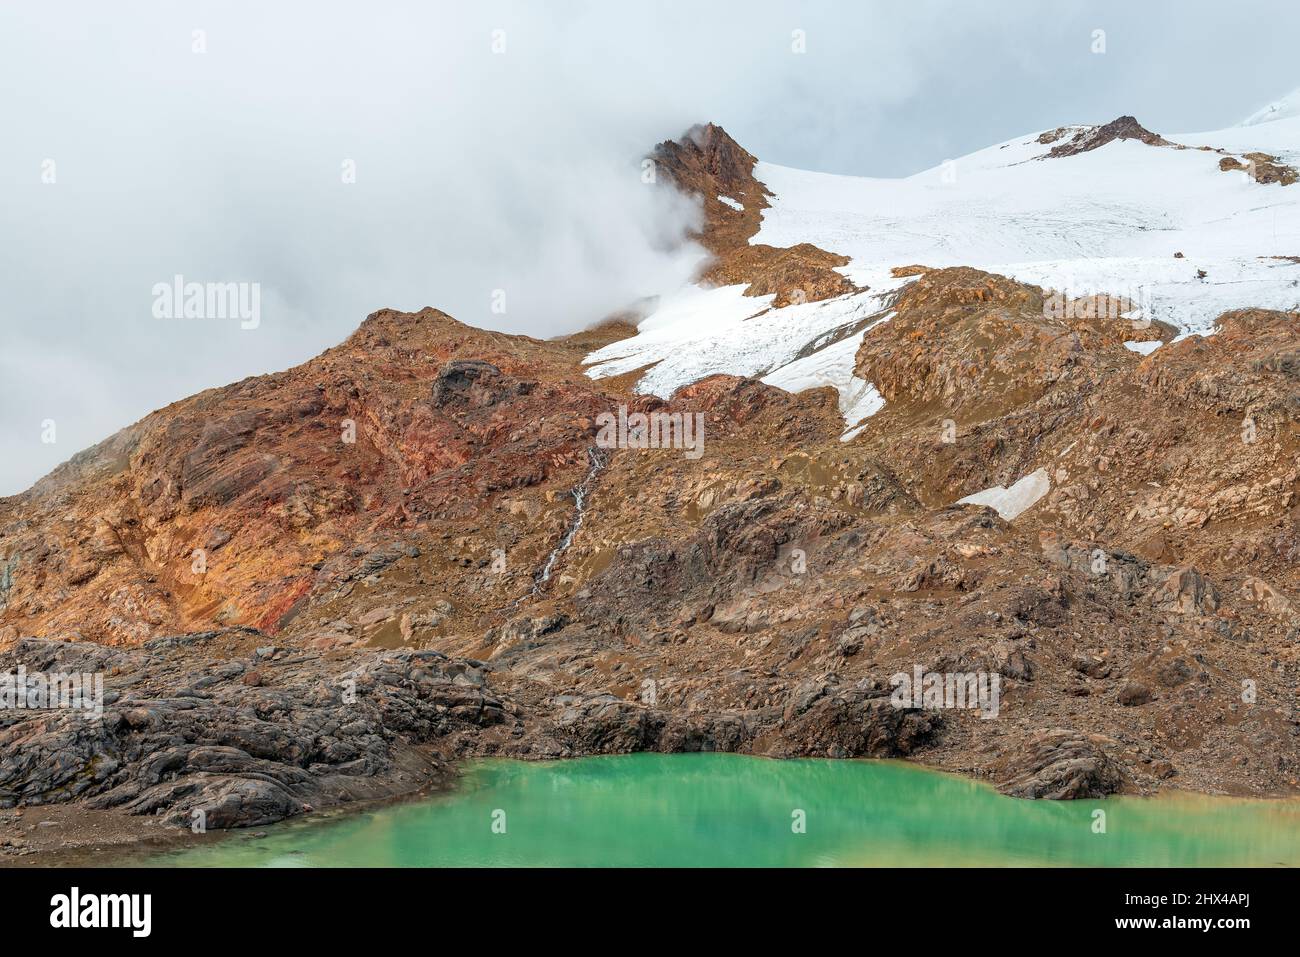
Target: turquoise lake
x=729, y=810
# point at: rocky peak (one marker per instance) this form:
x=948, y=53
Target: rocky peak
x=707, y=155
x=1121, y=128
x=705, y=161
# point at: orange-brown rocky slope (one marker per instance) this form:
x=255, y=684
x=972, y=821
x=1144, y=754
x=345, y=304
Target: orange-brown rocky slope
x=323, y=584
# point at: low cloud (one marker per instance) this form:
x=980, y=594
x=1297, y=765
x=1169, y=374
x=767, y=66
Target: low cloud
x=209, y=140
x=344, y=161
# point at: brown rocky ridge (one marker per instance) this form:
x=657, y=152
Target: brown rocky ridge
x=1071, y=141
x=1093, y=137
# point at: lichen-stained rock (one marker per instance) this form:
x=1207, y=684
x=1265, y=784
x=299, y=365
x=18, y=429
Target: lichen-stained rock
x=604, y=724
x=979, y=343
x=1264, y=595
x=848, y=723
x=8, y=566
x=1059, y=765
x=1186, y=591
x=1250, y=368
x=475, y=383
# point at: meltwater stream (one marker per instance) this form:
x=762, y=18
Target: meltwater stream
x=597, y=459
x=729, y=810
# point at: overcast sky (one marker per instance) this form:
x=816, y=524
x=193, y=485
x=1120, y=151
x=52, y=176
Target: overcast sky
x=133, y=149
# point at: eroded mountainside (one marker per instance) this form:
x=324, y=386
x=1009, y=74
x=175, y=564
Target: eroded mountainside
x=323, y=584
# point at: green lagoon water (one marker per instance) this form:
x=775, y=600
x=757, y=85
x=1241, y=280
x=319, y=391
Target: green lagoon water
x=728, y=810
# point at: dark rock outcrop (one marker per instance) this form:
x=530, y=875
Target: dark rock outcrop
x=186, y=738
x=1059, y=765
x=1121, y=128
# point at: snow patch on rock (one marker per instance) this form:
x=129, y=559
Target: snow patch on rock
x=833, y=366
x=1143, y=348
x=1013, y=501
x=699, y=332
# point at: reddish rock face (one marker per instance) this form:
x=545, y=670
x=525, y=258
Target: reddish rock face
x=226, y=508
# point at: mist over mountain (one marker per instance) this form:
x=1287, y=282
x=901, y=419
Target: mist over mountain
x=483, y=162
